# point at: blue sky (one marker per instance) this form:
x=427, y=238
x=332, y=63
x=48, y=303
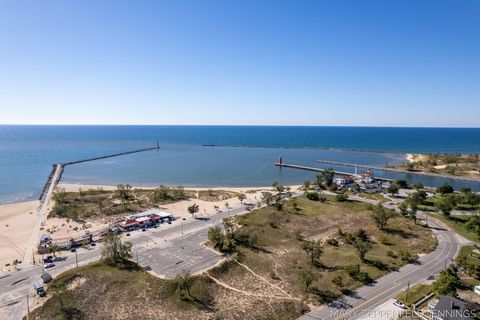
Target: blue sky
x=382, y=63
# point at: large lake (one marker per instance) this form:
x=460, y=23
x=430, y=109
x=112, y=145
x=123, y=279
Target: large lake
x=27, y=153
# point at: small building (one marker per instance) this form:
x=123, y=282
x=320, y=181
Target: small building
x=449, y=308
x=344, y=181
x=368, y=174
x=45, y=239
x=128, y=224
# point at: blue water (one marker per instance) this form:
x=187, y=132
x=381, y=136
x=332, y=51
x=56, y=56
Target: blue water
x=27, y=153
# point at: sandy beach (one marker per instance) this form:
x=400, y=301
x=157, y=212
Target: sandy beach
x=16, y=224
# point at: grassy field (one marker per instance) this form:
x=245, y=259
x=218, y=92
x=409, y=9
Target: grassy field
x=100, y=292
x=278, y=255
x=457, y=223
x=373, y=196
x=415, y=294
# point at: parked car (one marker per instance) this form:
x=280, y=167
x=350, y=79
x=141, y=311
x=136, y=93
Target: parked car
x=399, y=304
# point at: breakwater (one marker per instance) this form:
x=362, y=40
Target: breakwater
x=58, y=168
x=430, y=174
x=298, y=147
x=295, y=166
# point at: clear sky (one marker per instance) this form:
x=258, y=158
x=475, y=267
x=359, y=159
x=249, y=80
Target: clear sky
x=391, y=63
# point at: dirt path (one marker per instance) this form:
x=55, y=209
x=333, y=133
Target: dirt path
x=226, y=286
x=263, y=279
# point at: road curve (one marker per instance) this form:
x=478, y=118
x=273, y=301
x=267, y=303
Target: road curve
x=367, y=298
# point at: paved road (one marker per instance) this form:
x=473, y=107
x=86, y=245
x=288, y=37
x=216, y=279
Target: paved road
x=168, y=250
x=368, y=298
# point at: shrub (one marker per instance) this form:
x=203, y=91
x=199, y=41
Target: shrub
x=332, y=242
x=354, y=272
x=445, y=189
x=391, y=254
x=384, y=240
x=341, y=197
x=314, y=196
x=406, y=256
x=349, y=238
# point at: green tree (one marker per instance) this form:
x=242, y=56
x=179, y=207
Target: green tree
x=403, y=207
x=184, y=282
x=447, y=283
x=445, y=189
x=401, y=183
x=241, y=197
x=216, y=237
x=381, y=215
x=267, y=197
x=445, y=205
x=362, y=247
x=417, y=186
x=193, y=209
x=307, y=278
x=327, y=177
x=53, y=249
x=314, y=250
x=115, y=252
x=393, y=189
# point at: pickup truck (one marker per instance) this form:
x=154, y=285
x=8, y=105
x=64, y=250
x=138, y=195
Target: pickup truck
x=39, y=289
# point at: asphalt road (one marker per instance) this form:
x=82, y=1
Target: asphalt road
x=167, y=250
x=367, y=298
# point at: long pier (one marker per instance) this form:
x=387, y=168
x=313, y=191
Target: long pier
x=53, y=178
x=111, y=155
x=430, y=174
x=306, y=168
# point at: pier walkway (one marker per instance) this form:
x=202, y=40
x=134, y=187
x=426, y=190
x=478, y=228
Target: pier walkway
x=300, y=167
x=431, y=174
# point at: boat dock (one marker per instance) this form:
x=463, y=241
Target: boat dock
x=300, y=167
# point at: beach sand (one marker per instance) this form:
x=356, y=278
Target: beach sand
x=16, y=224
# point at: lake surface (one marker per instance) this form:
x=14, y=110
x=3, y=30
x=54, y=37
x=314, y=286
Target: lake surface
x=27, y=153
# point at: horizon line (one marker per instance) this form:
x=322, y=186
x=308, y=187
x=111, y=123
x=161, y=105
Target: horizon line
x=239, y=125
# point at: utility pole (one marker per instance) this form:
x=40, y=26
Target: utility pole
x=408, y=288
x=76, y=258
x=137, y=257
x=28, y=307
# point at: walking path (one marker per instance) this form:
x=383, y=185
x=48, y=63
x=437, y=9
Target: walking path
x=41, y=214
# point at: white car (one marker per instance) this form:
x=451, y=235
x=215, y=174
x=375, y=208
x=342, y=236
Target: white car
x=399, y=304
x=49, y=265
